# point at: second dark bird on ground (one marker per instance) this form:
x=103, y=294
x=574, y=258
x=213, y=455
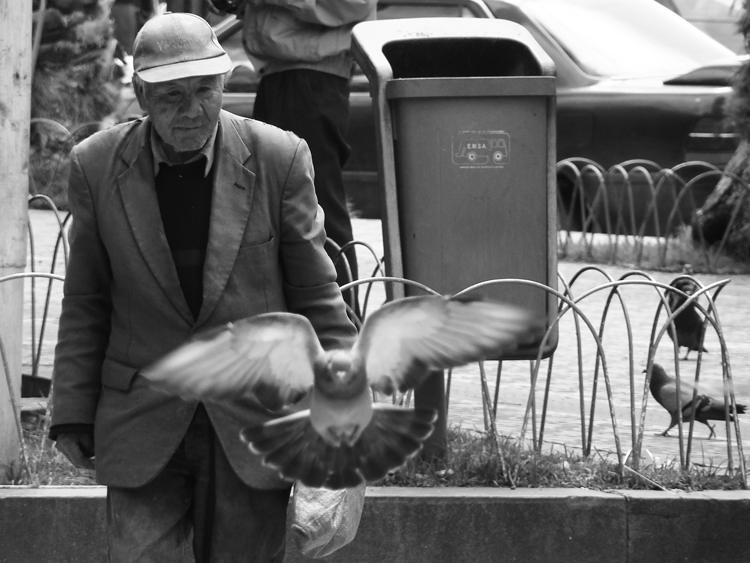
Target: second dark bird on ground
x=342, y=439
x=688, y=324
x=664, y=390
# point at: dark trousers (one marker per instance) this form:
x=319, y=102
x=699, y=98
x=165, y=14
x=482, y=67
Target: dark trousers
x=315, y=106
x=197, y=495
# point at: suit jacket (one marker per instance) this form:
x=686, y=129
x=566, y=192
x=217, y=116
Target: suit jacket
x=123, y=306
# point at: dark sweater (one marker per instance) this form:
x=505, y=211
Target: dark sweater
x=185, y=205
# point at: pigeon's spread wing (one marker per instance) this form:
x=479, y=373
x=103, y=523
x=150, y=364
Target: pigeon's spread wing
x=270, y=356
x=292, y=446
x=405, y=339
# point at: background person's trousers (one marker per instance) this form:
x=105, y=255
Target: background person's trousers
x=197, y=494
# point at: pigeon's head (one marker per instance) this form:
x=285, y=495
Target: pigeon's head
x=659, y=377
x=686, y=285
x=337, y=379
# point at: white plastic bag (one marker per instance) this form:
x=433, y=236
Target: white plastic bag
x=323, y=520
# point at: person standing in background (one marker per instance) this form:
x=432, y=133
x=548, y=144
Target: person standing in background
x=301, y=51
x=128, y=17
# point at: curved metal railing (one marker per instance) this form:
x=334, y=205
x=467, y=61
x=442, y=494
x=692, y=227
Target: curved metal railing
x=636, y=204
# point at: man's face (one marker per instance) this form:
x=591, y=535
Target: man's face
x=184, y=111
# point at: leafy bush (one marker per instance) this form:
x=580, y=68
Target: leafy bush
x=75, y=88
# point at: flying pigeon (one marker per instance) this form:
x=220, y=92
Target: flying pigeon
x=343, y=438
x=688, y=324
x=664, y=390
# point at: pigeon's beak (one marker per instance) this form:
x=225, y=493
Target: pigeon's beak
x=341, y=374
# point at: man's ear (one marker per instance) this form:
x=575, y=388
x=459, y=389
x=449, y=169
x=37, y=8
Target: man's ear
x=139, y=87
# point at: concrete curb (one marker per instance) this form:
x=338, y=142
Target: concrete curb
x=450, y=525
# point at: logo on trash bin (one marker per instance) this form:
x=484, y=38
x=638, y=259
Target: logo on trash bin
x=485, y=149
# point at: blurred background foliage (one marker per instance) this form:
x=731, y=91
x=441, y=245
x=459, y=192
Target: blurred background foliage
x=76, y=86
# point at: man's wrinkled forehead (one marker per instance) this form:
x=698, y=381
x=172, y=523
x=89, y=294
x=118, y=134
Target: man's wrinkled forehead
x=190, y=82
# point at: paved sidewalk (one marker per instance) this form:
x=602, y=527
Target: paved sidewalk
x=562, y=426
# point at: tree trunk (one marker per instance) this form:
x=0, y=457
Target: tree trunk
x=15, y=85
x=726, y=213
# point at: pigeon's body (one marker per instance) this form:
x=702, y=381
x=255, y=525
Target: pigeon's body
x=343, y=438
x=688, y=324
x=664, y=390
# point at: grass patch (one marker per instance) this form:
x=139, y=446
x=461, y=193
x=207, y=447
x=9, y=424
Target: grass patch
x=474, y=459
x=674, y=254
x=44, y=465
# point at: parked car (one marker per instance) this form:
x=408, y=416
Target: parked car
x=634, y=81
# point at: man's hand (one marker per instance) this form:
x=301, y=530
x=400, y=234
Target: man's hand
x=78, y=448
x=225, y=7
x=213, y=9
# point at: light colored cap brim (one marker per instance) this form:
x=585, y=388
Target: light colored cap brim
x=186, y=69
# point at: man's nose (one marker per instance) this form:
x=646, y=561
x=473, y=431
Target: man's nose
x=191, y=106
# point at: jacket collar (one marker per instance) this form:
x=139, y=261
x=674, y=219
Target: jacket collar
x=160, y=156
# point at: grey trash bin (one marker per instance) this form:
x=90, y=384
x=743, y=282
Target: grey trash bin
x=465, y=124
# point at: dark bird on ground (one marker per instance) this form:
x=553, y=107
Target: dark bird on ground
x=343, y=438
x=664, y=390
x=688, y=324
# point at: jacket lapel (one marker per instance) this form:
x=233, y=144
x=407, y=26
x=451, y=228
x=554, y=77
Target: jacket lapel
x=138, y=192
x=230, y=209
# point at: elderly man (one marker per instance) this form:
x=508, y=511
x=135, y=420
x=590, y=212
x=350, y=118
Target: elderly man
x=183, y=221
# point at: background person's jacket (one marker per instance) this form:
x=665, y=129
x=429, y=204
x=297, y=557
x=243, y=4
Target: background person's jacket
x=283, y=35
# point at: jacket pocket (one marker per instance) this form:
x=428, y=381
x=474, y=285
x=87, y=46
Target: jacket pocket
x=116, y=375
x=260, y=252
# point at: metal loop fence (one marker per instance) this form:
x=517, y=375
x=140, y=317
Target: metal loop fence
x=640, y=212
x=592, y=331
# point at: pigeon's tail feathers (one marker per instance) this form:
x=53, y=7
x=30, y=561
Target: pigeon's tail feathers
x=711, y=409
x=394, y=435
x=264, y=438
x=293, y=447
x=284, y=445
x=343, y=472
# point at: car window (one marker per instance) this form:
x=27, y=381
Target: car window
x=626, y=39
x=717, y=18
